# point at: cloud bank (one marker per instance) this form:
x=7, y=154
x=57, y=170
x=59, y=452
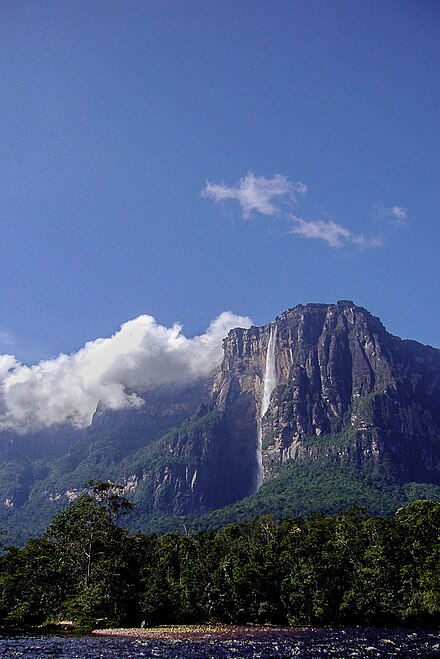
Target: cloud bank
x=255, y=193
x=111, y=371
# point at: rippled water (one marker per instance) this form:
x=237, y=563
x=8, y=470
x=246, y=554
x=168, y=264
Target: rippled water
x=310, y=643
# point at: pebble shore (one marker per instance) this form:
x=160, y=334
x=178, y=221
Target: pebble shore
x=199, y=632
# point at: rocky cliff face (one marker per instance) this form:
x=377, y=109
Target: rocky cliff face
x=345, y=388
x=344, y=392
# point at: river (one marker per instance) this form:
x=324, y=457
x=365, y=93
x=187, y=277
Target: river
x=310, y=643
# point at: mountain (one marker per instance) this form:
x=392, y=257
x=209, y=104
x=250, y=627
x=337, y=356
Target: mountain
x=320, y=409
x=345, y=388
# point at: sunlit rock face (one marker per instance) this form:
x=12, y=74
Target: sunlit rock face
x=338, y=373
x=322, y=384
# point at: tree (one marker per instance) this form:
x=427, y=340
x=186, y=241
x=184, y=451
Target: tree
x=33, y=583
x=418, y=529
x=96, y=548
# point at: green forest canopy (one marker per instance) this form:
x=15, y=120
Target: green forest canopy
x=319, y=570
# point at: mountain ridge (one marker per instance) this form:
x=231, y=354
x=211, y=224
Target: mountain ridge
x=347, y=395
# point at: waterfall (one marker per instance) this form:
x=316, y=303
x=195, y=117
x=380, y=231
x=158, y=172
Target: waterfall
x=269, y=384
x=270, y=376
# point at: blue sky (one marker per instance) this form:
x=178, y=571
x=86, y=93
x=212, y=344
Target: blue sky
x=131, y=133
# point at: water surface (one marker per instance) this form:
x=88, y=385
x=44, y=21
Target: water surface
x=340, y=643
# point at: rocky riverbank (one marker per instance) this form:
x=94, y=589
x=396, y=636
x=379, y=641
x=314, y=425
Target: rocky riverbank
x=202, y=632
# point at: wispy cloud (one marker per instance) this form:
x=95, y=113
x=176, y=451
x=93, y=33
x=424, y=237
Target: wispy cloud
x=7, y=339
x=396, y=215
x=276, y=197
x=398, y=212
x=255, y=193
x=110, y=371
x=333, y=234
x=362, y=241
x=330, y=232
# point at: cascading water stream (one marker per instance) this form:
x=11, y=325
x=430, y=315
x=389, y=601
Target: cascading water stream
x=269, y=384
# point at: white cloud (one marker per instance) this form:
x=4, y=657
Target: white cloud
x=361, y=241
x=112, y=371
x=396, y=215
x=7, y=364
x=255, y=193
x=333, y=234
x=398, y=212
